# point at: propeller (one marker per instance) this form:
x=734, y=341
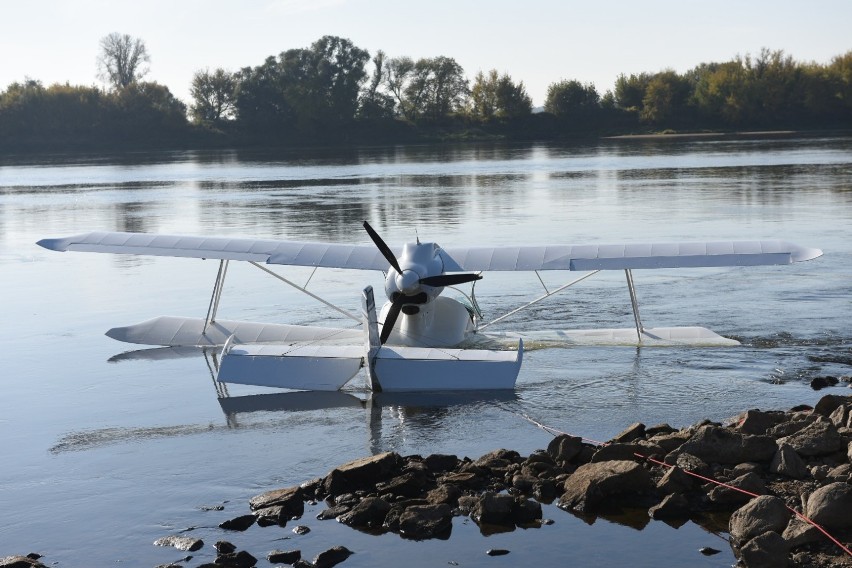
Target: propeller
x=400, y=299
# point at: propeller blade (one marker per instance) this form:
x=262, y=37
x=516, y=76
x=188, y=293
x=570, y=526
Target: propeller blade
x=383, y=248
x=390, y=320
x=449, y=279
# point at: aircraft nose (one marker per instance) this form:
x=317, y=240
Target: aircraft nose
x=408, y=282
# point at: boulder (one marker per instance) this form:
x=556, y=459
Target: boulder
x=669, y=441
x=689, y=462
x=751, y=482
x=564, y=448
x=369, y=513
x=760, y=515
x=787, y=462
x=405, y=485
x=831, y=506
x=759, y=422
x=447, y=494
x=20, y=562
x=333, y=512
x=240, y=523
x=362, y=473
x=526, y=511
x=840, y=416
x=829, y=404
x=224, y=547
x=494, y=509
x=619, y=451
x=768, y=550
x=284, y=556
x=594, y=482
x=241, y=559
x=290, y=500
x=817, y=439
x=674, y=506
x=185, y=543
x=799, y=533
x=632, y=432
x=332, y=557
x=714, y=444
x=426, y=521
x=675, y=481
x=440, y=463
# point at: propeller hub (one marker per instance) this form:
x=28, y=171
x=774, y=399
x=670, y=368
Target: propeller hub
x=408, y=282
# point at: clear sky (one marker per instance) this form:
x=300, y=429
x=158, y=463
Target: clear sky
x=536, y=41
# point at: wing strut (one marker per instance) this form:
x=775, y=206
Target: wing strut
x=639, y=328
x=540, y=298
x=217, y=295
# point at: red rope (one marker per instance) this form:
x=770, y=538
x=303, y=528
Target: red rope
x=554, y=432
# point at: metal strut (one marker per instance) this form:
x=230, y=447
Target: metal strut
x=639, y=328
x=218, y=286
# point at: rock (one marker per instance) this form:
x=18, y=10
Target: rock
x=362, y=473
x=185, y=543
x=849, y=452
x=822, y=382
x=493, y=509
x=467, y=480
x=240, y=523
x=759, y=422
x=799, y=533
x=224, y=547
x=369, y=513
x=612, y=452
x=840, y=416
x=829, y=403
x=675, y=481
x=750, y=482
x=301, y=530
x=831, y=506
x=787, y=462
x=448, y=494
x=817, y=439
x=284, y=556
x=714, y=444
x=405, y=485
x=440, y=463
x=688, y=462
x=20, y=562
x=708, y=551
x=632, y=432
x=496, y=552
x=289, y=499
x=333, y=512
x=524, y=482
x=526, y=511
x=674, y=506
x=594, y=482
x=760, y=515
x=426, y=521
x=669, y=441
x=841, y=473
x=767, y=550
x=564, y=448
x=332, y=557
x=241, y=559
x=544, y=491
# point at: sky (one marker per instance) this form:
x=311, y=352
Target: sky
x=538, y=42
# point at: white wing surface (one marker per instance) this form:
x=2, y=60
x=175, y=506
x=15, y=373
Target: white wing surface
x=456, y=259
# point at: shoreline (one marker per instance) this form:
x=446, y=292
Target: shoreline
x=772, y=469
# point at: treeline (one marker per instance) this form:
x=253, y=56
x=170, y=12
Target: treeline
x=334, y=92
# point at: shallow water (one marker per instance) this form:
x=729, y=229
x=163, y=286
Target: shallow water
x=105, y=451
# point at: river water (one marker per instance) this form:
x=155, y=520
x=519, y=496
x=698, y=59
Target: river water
x=105, y=449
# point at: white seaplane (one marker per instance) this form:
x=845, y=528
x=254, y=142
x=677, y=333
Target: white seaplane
x=421, y=340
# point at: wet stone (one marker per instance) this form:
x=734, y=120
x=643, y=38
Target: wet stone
x=185, y=543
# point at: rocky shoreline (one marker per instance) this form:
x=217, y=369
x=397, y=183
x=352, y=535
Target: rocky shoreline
x=771, y=470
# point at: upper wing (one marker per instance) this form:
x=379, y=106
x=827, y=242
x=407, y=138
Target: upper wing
x=630, y=256
x=456, y=259
x=365, y=257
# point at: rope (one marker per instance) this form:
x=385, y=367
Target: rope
x=555, y=432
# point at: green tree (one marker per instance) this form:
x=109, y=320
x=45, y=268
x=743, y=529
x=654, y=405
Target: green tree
x=494, y=96
x=121, y=59
x=571, y=99
x=666, y=98
x=437, y=88
x=213, y=95
x=630, y=91
x=397, y=75
x=375, y=104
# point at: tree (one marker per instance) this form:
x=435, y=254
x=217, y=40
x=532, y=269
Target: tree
x=375, y=104
x=121, y=60
x=213, y=95
x=398, y=72
x=666, y=98
x=494, y=96
x=436, y=88
x=572, y=99
x=629, y=91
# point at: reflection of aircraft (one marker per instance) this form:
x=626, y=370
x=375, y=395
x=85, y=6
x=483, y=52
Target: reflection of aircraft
x=426, y=341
